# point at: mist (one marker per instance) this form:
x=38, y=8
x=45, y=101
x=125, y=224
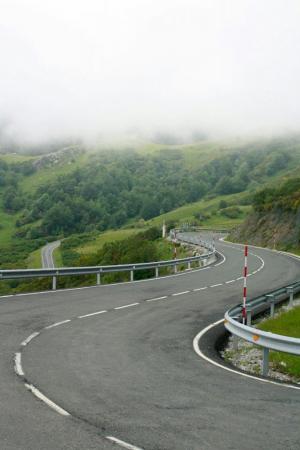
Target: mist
x=93, y=68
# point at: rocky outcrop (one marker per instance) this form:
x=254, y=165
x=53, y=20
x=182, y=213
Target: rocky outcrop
x=275, y=228
x=63, y=156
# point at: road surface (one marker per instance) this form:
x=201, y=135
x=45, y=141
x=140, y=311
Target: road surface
x=119, y=359
x=47, y=254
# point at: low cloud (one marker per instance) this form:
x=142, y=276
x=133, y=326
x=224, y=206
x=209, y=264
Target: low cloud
x=97, y=67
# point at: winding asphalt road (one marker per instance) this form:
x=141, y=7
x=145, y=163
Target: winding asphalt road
x=129, y=372
x=47, y=254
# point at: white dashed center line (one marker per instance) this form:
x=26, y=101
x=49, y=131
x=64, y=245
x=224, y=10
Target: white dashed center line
x=126, y=306
x=230, y=281
x=180, y=293
x=157, y=298
x=215, y=285
x=57, y=324
x=200, y=289
x=92, y=314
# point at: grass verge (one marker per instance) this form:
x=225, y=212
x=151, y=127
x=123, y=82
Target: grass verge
x=288, y=324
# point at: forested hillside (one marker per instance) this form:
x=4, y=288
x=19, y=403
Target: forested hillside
x=74, y=191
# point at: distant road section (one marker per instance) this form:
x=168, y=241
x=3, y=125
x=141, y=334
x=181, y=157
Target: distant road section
x=47, y=254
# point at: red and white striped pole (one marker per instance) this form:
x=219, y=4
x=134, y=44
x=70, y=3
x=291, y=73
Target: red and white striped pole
x=244, y=311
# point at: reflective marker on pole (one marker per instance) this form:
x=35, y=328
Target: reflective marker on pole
x=244, y=312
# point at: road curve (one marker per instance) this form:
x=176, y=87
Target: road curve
x=131, y=372
x=47, y=254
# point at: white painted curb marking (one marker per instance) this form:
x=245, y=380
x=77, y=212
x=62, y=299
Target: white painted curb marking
x=211, y=361
x=32, y=336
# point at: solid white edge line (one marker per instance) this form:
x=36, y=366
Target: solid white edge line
x=211, y=361
x=157, y=298
x=46, y=400
x=180, y=293
x=123, y=444
x=216, y=265
x=92, y=314
x=127, y=306
x=57, y=324
x=18, y=365
x=32, y=336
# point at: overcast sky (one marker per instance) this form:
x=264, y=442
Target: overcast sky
x=92, y=66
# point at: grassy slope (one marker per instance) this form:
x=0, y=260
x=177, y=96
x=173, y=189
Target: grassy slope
x=287, y=324
x=108, y=236
x=34, y=260
x=186, y=213
x=96, y=242
x=57, y=258
x=43, y=176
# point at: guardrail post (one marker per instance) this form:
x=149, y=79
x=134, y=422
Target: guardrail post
x=290, y=290
x=189, y=265
x=271, y=298
x=175, y=268
x=249, y=316
x=156, y=272
x=54, y=283
x=235, y=342
x=132, y=275
x=265, y=362
x=98, y=278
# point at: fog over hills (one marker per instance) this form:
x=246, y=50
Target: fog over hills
x=89, y=69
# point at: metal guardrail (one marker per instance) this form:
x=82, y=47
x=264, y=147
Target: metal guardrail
x=101, y=270
x=268, y=341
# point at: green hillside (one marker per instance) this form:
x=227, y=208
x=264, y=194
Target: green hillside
x=90, y=191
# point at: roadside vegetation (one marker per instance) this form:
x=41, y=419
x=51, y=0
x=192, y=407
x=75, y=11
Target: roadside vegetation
x=287, y=324
x=144, y=246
